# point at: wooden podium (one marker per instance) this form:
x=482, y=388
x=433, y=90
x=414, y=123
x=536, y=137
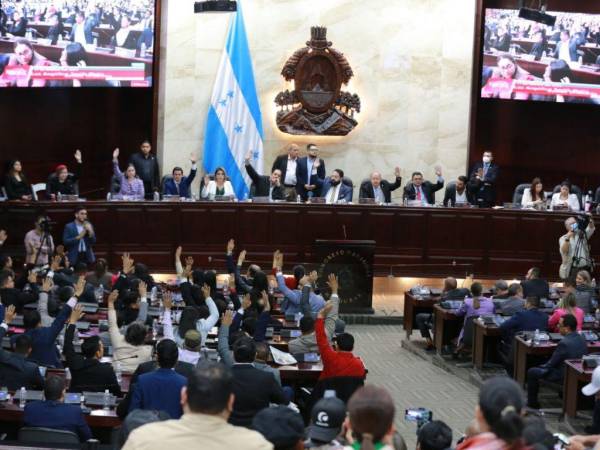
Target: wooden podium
x=352, y=262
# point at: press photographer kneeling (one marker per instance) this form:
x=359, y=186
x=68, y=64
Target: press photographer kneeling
x=574, y=246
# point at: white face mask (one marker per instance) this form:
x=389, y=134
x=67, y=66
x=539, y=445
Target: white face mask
x=486, y=159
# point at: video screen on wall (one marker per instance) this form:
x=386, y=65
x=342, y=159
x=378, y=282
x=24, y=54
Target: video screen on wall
x=76, y=43
x=527, y=60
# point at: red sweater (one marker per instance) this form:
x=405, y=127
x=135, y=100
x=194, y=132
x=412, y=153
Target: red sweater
x=336, y=364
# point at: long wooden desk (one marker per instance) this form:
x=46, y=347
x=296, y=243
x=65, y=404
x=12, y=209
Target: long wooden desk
x=485, y=337
x=575, y=377
x=412, y=307
x=447, y=326
x=419, y=241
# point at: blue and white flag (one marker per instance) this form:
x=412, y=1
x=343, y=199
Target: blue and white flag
x=234, y=124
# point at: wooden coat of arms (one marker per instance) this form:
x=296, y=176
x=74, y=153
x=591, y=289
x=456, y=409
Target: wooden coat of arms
x=317, y=105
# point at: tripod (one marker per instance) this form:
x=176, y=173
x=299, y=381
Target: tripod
x=582, y=243
x=44, y=240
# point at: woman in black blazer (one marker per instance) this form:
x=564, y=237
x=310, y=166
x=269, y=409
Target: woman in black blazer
x=16, y=184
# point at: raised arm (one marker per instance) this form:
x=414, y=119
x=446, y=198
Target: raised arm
x=73, y=360
x=43, y=302
x=167, y=322
x=113, y=327
x=223, y=344
x=332, y=314
x=205, y=325
x=143, y=311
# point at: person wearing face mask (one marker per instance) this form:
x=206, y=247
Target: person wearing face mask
x=62, y=182
x=334, y=190
x=483, y=180
x=574, y=248
x=309, y=170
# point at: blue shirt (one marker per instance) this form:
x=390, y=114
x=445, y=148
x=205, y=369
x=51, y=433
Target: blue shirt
x=159, y=390
x=292, y=306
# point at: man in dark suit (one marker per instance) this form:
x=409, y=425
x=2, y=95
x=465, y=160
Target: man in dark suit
x=482, y=181
x=265, y=186
x=513, y=303
x=540, y=46
x=146, y=167
x=333, y=190
x=287, y=164
x=534, y=285
x=380, y=190
x=425, y=320
x=15, y=370
x=55, y=31
x=309, y=170
x=530, y=319
x=458, y=193
x=81, y=31
x=19, y=26
x=423, y=191
x=10, y=295
x=253, y=388
x=78, y=238
x=178, y=184
x=161, y=390
x=572, y=346
x=53, y=413
x=89, y=374
x=566, y=48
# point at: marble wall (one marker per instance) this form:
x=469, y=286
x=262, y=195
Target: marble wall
x=411, y=58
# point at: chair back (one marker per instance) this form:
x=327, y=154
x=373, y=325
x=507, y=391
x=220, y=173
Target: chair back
x=518, y=193
x=469, y=328
x=597, y=194
x=38, y=187
x=46, y=436
x=163, y=180
x=344, y=387
x=449, y=188
x=115, y=184
x=53, y=176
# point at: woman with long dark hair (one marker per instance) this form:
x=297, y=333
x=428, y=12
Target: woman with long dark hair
x=16, y=184
x=533, y=196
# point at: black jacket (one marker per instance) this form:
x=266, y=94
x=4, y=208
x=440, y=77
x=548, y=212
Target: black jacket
x=428, y=189
x=18, y=298
x=54, y=33
x=16, y=371
x=262, y=185
x=367, y=191
x=450, y=195
x=484, y=190
x=303, y=177
x=281, y=163
x=147, y=170
x=16, y=189
x=68, y=187
x=254, y=389
x=456, y=294
x=182, y=368
x=536, y=287
x=572, y=346
x=88, y=374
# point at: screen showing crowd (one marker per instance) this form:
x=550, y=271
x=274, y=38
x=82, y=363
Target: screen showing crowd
x=526, y=60
x=76, y=43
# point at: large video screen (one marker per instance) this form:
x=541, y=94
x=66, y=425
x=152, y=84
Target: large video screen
x=526, y=60
x=76, y=43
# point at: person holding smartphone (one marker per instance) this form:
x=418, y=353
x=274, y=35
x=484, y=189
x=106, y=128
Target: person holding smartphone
x=575, y=248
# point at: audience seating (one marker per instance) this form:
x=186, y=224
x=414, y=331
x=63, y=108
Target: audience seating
x=47, y=436
x=38, y=187
x=518, y=194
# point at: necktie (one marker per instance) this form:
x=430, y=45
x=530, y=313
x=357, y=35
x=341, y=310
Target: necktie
x=177, y=186
x=332, y=196
x=419, y=193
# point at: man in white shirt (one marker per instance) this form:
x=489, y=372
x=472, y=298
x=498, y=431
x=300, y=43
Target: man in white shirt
x=78, y=31
x=575, y=248
x=287, y=165
x=334, y=190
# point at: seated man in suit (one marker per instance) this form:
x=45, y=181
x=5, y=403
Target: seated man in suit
x=15, y=370
x=334, y=190
x=54, y=413
x=514, y=303
x=572, y=346
x=534, y=285
x=425, y=320
x=178, y=184
x=287, y=164
x=459, y=193
x=380, y=190
x=254, y=389
x=160, y=390
x=530, y=319
x=482, y=181
x=88, y=373
x=309, y=170
x=421, y=191
x=500, y=290
x=265, y=186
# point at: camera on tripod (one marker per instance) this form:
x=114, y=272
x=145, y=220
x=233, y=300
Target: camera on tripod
x=45, y=225
x=582, y=221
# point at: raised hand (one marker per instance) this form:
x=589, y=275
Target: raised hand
x=397, y=171
x=76, y=314
x=116, y=154
x=246, y=302
x=206, y=179
x=227, y=318
x=47, y=284
x=265, y=301
x=127, y=263
x=333, y=284
x=79, y=286
x=248, y=156
x=167, y=300
x=326, y=309
x=142, y=289
x=112, y=298
x=438, y=171
x=77, y=156
x=230, y=246
x=32, y=277
x=9, y=314
x=178, y=251
x=206, y=290
x=241, y=257
x=193, y=158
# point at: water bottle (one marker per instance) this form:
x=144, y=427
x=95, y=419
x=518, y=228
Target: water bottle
x=68, y=376
x=536, y=338
x=298, y=199
x=59, y=196
x=95, y=42
x=143, y=50
x=154, y=329
x=588, y=202
x=108, y=197
x=156, y=196
x=297, y=318
x=119, y=372
x=22, y=397
x=106, y=400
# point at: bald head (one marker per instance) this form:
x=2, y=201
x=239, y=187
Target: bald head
x=449, y=284
x=376, y=179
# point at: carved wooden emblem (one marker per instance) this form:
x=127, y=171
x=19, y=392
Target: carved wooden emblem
x=317, y=105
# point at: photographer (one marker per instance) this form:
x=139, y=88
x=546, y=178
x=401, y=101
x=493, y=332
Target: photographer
x=574, y=246
x=39, y=243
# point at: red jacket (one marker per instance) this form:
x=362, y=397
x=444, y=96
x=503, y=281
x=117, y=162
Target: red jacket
x=336, y=364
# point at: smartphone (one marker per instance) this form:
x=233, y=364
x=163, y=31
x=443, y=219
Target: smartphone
x=418, y=415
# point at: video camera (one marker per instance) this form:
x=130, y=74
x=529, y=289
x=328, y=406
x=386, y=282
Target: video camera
x=582, y=221
x=45, y=225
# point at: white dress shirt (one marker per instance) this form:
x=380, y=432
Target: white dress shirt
x=80, y=34
x=211, y=190
x=333, y=194
x=572, y=202
x=378, y=194
x=462, y=198
x=82, y=240
x=290, y=172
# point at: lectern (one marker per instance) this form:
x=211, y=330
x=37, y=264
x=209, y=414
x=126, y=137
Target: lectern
x=352, y=262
